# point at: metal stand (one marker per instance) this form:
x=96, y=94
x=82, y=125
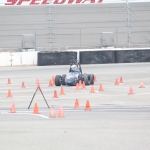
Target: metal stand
x=34, y=95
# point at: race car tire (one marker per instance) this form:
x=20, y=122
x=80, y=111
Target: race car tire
x=86, y=81
x=91, y=81
x=63, y=79
x=58, y=80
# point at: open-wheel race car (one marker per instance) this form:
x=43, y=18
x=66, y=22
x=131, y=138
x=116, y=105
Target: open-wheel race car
x=74, y=76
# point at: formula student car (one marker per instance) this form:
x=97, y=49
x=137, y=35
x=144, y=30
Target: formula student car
x=74, y=76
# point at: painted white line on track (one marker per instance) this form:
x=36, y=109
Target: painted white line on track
x=24, y=114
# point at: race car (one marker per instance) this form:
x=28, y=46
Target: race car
x=74, y=76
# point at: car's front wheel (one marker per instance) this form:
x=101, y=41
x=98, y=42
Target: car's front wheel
x=63, y=79
x=58, y=80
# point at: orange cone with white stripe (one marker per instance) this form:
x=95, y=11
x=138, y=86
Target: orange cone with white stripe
x=62, y=91
x=76, y=105
x=131, y=91
x=52, y=113
x=116, y=82
x=12, y=108
x=92, y=89
x=141, y=85
x=36, y=110
x=87, y=107
x=101, y=87
x=61, y=113
x=55, y=94
x=9, y=94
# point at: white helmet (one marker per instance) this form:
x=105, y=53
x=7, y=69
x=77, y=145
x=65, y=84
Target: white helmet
x=73, y=68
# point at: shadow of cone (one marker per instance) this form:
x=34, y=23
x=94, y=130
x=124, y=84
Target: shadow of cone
x=55, y=94
x=121, y=80
x=36, y=110
x=12, y=108
x=37, y=81
x=87, y=107
x=62, y=91
x=95, y=79
x=92, y=89
x=52, y=113
x=116, y=82
x=77, y=87
x=9, y=82
x=101, y=87
x=23, y=85
x=83, y=85
x=76, y=105
x=50, y=83
x=141, y=85
x=131, y=91
x=61, y=113
x=9, y=94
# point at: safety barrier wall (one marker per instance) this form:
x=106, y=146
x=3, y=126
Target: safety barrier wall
x=55, y=58
x=18, y=58
x=94, y=56
x=66, y=57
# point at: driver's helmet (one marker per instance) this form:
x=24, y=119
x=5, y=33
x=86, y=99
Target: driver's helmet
x=73, y=68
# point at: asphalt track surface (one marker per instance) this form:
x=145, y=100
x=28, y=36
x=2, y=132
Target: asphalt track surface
x=117, y=120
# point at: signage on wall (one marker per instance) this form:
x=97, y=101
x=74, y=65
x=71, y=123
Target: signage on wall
x=53, y=2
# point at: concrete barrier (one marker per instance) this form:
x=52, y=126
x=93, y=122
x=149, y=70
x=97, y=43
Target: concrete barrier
x=18, y=58
x=5, y=59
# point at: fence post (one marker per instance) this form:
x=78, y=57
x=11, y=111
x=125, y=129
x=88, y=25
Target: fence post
x=80, y=38
x=35, y=40
x=116, y=37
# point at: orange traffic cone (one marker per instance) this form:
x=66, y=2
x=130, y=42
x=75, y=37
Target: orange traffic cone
x=62, y=91
x=141, y=85
x=83, y=85
x=9, y=94
x=38, y=88
x=37, y=81
x=87, y=107
x=77, y=87
x=80, y=84
x=50, y=83
x=9, y=82
x=131, y=91
x=53, y=80
x=23, y=85
x=55, y=94
x=12, y=108
x=52, y=113
x=36, y=110
x=116, y=82
x=121, y=80
x=76, y=105
x=61, y=113
x=92, y=89
x=101, y=87
x=95, y=79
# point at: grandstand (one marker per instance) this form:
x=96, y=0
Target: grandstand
x=61, y=27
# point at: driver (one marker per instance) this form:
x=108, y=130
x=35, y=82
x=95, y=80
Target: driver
x=73, y=68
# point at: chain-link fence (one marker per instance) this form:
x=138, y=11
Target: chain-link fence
x=60, y=27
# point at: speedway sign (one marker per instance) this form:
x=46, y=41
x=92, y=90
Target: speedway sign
x=53, y=2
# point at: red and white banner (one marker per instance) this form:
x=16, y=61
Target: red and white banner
x=53, y=2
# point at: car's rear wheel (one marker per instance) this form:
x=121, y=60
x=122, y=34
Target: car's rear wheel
x=86, y=81
x=58, y=80
x=63, y=79
x=91, y=79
